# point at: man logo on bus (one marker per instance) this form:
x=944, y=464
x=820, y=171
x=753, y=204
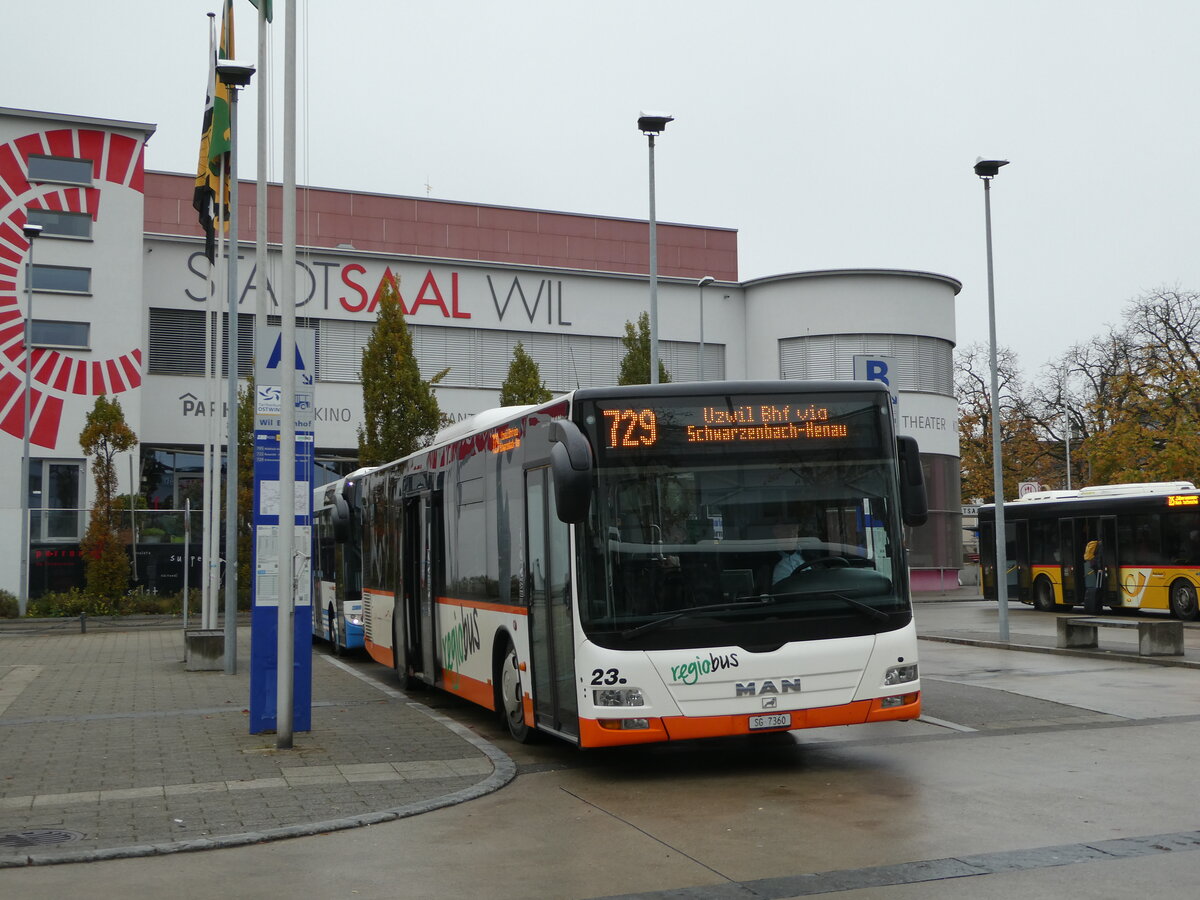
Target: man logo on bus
x=753, y=689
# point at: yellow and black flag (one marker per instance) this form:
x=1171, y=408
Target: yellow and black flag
x=214, y=139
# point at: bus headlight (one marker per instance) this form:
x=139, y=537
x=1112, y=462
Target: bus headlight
x=900, y=675
x=619, y=697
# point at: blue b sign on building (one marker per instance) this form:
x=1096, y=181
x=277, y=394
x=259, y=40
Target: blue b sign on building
x=878, y=368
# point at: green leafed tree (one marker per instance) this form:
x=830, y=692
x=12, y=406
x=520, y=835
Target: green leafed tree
x=400, y=411
x=635, y=365
x=105, y=434
x=524, y=383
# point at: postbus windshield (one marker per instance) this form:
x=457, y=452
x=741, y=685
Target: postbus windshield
x=747, y=520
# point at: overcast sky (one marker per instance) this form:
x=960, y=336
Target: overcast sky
x=830, y=134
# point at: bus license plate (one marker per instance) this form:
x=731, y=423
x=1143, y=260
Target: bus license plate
x=779, y=720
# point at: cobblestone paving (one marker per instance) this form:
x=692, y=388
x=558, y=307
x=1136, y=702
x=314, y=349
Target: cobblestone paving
x=107, y=746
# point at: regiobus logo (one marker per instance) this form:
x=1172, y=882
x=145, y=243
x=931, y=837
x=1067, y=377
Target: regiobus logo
x=116, y=161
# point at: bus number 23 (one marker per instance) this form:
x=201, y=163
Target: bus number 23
x=606, y=676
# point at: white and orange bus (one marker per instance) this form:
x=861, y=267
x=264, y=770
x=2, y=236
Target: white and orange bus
x=602, y=567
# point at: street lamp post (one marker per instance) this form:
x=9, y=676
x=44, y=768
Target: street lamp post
x=986, y=169
x=1068, y=445
x=652, y=124
x=31, y=232
x=235, y=76
x=702, y=284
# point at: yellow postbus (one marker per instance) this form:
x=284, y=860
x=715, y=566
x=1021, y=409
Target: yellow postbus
x=1149, y=535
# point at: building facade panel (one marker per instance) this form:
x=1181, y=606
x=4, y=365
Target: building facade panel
x=474, y=280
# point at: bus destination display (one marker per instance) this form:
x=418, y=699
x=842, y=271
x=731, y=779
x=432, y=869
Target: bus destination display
x=638, y=428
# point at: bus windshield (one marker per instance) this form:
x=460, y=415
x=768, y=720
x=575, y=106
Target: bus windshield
x=716, y=530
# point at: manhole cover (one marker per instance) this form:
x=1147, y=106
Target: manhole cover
x=39, y=837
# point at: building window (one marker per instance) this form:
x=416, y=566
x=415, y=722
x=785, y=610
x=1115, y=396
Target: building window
x=55, y=500
x=75, y=335
x=61, y=169
x=64, y=279
x=61, y=224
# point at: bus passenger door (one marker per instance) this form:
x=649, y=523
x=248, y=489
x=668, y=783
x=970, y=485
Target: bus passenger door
x=551, y=632
x=1107, y=529
x=420, y=561
x=1020, y=581
x=1070, y=559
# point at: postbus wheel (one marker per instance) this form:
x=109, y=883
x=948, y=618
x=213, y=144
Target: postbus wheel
x=334, y=644
x=1183, y=601
x=1043, y=595
x=511, y=700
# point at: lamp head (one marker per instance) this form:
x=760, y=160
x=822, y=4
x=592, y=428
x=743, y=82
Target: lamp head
x=705, y=281
x=987, y=168
x=234, y=74
x=31, y=231
x=653, y=122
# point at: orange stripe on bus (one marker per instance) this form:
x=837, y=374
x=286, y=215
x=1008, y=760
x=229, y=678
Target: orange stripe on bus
x=469, y=688
x=678, y=728
x=382, y=655
x=483, y=604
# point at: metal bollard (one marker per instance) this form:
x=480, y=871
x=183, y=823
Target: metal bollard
x=83, y=623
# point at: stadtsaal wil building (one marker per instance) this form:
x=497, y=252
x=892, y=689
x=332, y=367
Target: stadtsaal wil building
x=120, y=283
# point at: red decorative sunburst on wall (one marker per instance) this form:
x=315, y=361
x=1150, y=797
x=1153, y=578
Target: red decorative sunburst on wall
x=55, y=374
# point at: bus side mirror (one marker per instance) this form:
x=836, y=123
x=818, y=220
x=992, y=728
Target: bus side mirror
x=341, y=518
x=571, y=466
x=914, y=505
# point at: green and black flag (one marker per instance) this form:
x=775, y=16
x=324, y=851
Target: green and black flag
x=214, y=139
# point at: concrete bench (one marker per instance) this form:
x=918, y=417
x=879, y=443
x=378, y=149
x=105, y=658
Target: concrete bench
x=1156, y=637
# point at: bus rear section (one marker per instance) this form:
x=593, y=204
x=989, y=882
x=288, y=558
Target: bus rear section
x=654, y=563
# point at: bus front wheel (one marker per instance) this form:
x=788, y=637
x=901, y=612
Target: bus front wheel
x=1043, y=596
x=512, y=703
x=1183, y=601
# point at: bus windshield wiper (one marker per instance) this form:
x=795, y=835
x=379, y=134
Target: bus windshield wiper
x=761, y=600
x=866, y=609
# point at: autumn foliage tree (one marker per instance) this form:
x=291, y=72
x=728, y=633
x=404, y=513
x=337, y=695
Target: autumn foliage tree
x=523, y=384
x=400, y=412
x=105, y=434
x=1126, y=403
x=635, y=364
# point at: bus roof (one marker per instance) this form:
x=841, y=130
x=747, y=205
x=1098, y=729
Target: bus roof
x=1096, y=499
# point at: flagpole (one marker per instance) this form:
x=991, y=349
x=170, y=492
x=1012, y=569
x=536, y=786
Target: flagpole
x=215, y=416
x=206, y=405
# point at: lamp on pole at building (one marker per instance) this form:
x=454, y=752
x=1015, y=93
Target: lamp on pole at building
x=702, y=284
x=32, y=232
x=652, y=124
x=235, y=76
x=986, y=169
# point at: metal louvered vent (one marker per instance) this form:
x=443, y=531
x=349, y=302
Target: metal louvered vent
x=177, y=343
x=923, y=364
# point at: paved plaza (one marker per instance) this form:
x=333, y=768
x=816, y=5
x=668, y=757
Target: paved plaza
x=110, y=748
